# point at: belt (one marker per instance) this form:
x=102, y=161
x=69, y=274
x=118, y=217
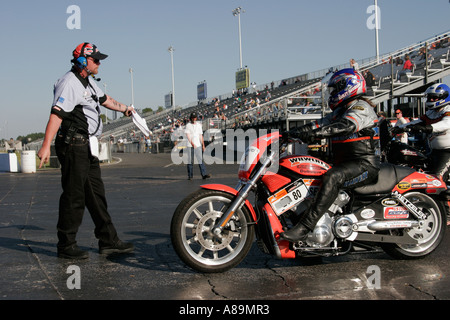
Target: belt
x=79, y=136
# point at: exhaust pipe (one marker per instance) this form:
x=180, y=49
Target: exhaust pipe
x=394, y=224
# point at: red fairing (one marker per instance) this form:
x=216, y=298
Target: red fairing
x=224, y=188
x=418, y=180
x=255, y=152
x=277, y=228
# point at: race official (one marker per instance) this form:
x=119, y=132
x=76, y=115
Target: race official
x=75, y=120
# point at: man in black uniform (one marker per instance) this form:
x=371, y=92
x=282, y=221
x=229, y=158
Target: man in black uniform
x=351, y=129
x=75, y=119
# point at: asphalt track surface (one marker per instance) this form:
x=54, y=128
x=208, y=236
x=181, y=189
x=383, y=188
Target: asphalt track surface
x=143, y=191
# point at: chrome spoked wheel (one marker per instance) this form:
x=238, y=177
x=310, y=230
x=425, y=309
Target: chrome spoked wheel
x=428, y=234
x=193, y=237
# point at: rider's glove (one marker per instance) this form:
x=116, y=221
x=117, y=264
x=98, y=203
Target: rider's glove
x=397, y=130
x=420, y=128
x=304, y=136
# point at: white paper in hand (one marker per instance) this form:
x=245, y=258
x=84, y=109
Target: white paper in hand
x=140, y=123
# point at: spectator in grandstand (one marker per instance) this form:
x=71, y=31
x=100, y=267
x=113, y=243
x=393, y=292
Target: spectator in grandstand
x=407, y=67
x=402, y=137
x=421, y=54
x=354, y=64
x=398, y=61
x=196, y=146
x=370, y=78
x=75, y=120
x=435, y=123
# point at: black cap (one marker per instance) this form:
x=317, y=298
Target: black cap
x=87, y=49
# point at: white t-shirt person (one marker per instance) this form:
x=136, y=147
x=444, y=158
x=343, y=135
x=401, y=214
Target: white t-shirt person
x=196, y=146
x=194, y=133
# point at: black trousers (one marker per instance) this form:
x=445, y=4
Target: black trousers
x=346, y=175
x=82, y=188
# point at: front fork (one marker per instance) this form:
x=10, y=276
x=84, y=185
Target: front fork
x=242, y=196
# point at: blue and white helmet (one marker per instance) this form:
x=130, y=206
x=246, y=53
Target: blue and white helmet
x=437, y=96
x=345, y=85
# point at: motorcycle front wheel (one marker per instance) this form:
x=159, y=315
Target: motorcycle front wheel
x=428, y=235
x=192, y=234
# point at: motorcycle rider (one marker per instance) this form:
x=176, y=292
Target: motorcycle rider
x=351, y=129
x=435, y=123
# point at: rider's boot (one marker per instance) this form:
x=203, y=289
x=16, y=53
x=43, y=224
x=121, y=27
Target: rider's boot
x=300, y=231
x=297, y=233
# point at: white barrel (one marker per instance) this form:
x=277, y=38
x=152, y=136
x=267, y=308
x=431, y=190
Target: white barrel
x=28, y=161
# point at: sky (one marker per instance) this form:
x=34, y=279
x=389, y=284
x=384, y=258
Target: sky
x=280, y=39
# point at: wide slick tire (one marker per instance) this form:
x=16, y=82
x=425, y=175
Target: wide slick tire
x=192, y=234
x=429, y=234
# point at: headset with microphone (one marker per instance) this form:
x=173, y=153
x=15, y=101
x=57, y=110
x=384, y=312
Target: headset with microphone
x=81, y=61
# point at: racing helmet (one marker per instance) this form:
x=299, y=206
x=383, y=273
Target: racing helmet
x=345, y=85
x=437, y=96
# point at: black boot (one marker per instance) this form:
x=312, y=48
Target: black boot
x=118, y=247
x=72, y=252
x=297, y=233
x=300, y=231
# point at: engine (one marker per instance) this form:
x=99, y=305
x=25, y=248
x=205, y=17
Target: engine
x=322, y=235
x=327, y=228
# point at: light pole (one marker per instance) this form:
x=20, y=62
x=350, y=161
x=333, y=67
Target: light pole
x=377, y=26
x=171, y=50
x=237, y=12
x=132, y=89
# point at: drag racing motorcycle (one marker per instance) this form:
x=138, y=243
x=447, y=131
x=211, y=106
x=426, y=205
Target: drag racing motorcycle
x=213, y=229
x=399, y=153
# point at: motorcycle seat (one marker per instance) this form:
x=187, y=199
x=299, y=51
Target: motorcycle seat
x=388, y=177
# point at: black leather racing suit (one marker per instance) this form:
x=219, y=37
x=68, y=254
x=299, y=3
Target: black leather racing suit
x=354, y=146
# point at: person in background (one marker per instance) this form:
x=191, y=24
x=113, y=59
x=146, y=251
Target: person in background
x=354, y=64
x=408, y=67
x=196, y=146
x=402, y=137
x=148, y=144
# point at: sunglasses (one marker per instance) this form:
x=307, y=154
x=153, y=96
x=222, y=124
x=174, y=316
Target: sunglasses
x=96, y=61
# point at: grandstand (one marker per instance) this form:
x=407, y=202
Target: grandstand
x=298, y=99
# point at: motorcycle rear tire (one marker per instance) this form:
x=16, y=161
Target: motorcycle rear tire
x=429, y=235
x=193, y=239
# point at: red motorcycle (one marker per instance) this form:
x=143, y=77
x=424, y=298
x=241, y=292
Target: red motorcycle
x=213, y=229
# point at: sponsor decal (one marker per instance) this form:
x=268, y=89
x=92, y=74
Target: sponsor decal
x=436, y=183
x=389, y=202
x=408, y=204
x=407, y=152
x=367, y=214
x=299, y=160
x=358, y=108
x=403, y=185
x=396, y=213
